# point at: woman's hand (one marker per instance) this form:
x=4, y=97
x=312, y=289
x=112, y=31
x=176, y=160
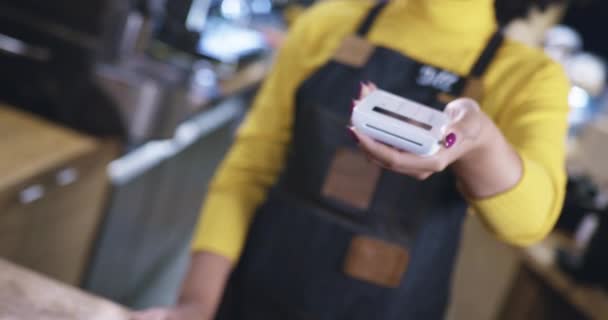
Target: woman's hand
x=473, y=146
x=182, y=312
x=464, y=135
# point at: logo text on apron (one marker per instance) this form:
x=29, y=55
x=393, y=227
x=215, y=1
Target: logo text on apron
x=439, y=79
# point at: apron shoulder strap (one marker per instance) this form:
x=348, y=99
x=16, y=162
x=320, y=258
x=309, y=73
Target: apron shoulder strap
x=487, y=55
x=482, y=62
x=372, y=14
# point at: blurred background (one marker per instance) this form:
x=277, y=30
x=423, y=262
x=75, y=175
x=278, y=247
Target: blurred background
x=114, y=115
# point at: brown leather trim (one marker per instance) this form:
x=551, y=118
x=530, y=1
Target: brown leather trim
x=376, y=261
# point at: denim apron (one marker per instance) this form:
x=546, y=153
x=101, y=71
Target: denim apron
x=292, y=266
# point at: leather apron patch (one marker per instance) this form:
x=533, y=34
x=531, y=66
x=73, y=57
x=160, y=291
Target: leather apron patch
x=473, y=89
x=351, y=179
x=354, y=51
x=376, y=261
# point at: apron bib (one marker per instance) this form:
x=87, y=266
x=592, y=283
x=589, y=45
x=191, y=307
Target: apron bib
x=338, y=238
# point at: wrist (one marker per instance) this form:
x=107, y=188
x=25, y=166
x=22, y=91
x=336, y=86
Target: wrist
x=488, y=141
x=203, y=286
x=189, y=309
x=491, y=167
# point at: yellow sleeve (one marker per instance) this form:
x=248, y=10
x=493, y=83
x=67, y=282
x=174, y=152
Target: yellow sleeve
x=536, y=125
x=253, y=163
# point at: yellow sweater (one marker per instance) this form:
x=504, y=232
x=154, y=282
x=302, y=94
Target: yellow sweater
x=526, y=96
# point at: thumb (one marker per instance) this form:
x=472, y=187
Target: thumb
x=465, y=122
x=464, y=117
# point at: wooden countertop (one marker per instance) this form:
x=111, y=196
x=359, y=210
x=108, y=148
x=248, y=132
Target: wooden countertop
x=591, y=301
x=29, y=145
x=25, y=295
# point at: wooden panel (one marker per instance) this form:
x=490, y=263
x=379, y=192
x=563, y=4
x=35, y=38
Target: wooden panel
x=25, y=295
x=31, y=145
x=540, y=259
x=591, y=150
x=63, y=226
x=531, y=298
x=483, y=273
x=13, y=226
x=52, y=233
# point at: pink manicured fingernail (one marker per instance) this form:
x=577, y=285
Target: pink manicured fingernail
x=352, y=134
x=361, y=88
x=449, y=140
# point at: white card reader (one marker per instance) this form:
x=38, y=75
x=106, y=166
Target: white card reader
x=401, y=123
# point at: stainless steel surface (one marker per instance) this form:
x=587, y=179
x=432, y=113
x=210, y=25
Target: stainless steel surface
x=156, y=196
x=145, y=91
x=132, y=32
x=60, y=31
x=138, y=98
x=106, y=45
x=17, y=47
x=155, y=97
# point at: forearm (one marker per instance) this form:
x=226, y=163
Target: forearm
x=492, y=168
x=204, y=284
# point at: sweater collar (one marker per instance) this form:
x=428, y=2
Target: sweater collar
x=451, y=17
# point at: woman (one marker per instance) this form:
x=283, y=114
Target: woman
x=298, y=224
